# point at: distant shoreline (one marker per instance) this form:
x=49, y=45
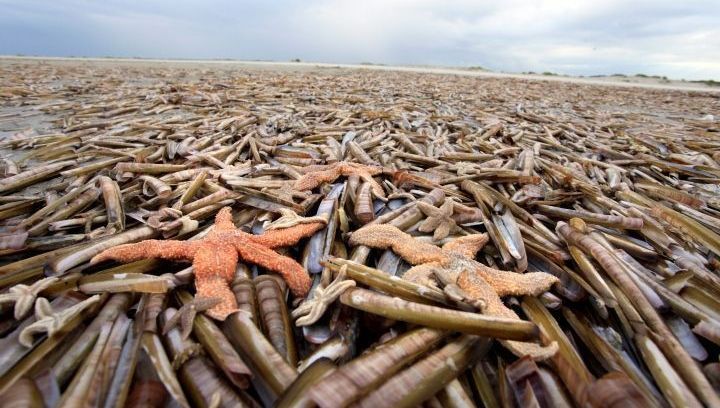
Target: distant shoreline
x=620, y=81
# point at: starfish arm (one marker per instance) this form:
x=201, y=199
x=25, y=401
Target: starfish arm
x=430, y=224
x=477, y=289
x=287, y=236
x=371, y=170
x=290, y=219
x=286, y=191
x=428, y=209
x=442, y=231
x=9, y=298
x=515, y=284
x=287, y=217
x=43, y=284
x=151, y=248
x=49, y=321
x=214, y=270
x=27, y=335
x=23, y=305
x=311, y=310
x=224, y=221
x=438, y=219
x=26, y=295
x=23, y=296
x=385, y=236
x=423, y=274
x=43, y=309
x=468, y=245
x=185, y=316
x=186, y=323
x=180, y=318
x=314, y=168
x=316, y=175
x=309, y=314
x=292, y=272
x=216, y=287
x=313, y=179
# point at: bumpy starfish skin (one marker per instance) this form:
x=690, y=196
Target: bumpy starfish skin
x=287, y=191
x=319, y=174
x=215, y=257
x=185, y=316
x=24, y=296
x=405, y=179
x=289, y=218
x=438, y=219
x=49, y=321
x=454, y=264
x=468, y=245
x=311, y=310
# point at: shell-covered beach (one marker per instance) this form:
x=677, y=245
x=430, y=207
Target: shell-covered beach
x=219, y=234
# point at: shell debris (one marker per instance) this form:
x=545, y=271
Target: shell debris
x=357, y=237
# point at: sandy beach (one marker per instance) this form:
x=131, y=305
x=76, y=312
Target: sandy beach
x=611, y=80
x=213, y=233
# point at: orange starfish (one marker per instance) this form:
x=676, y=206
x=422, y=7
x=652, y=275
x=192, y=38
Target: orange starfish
x=215, y=257
x=454, y=266
x=319, y=174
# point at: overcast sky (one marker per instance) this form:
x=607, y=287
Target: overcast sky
x=677, y=38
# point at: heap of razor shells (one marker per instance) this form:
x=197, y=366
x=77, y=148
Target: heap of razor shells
x=608, y=195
